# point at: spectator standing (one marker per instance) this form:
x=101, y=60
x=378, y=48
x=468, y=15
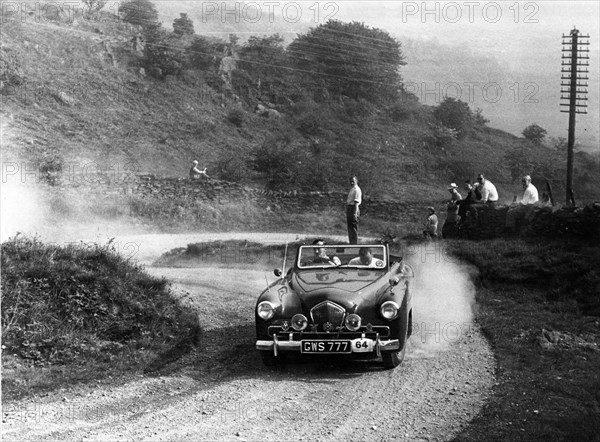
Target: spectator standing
x=431, y=224
x=454, y=195
x=353, y=210
x=489, y=194
x=450, y=224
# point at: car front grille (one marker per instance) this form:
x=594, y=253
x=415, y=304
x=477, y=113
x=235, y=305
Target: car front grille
x=328, y=316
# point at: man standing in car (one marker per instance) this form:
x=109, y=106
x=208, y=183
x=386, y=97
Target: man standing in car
x=353, y=211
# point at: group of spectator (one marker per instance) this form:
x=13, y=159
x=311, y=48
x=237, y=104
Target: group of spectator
x=479, y=193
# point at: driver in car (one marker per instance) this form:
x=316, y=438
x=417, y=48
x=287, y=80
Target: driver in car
x=321, y=254
x=365, y=258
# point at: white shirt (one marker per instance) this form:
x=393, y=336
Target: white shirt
x=375, y=262
x=530, y=195
x=355, y=195
x=488, y=192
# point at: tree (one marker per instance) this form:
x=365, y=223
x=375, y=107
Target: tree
x=479, y=119
x=139, y=12
x=164, y=53
x=455, y=114
x=205, y=53
x=183, y=25
x=534, y=133
x=262, y=74
x=93, y=6
x=353, y=60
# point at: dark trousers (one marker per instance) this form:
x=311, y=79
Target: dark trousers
x=352, y=225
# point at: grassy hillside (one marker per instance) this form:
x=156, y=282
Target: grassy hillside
x=115, y=118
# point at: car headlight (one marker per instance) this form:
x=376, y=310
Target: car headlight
x=265, y=310
x=353, y=322
x=299, y=322
x=389, y=310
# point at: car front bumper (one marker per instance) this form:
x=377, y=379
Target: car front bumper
x=276, y=344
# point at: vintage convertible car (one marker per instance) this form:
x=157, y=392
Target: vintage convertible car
x=339, y=299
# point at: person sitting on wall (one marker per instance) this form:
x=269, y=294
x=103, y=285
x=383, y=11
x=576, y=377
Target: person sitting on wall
x=519, y=211
x=489, y=193
x=465, y=203
x=196, y=173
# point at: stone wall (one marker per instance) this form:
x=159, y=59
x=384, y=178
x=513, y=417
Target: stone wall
x=489, y=221
x=221, y=192
x=482, y=222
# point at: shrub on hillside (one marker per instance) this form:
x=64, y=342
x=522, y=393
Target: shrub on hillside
x=236, y=115
x=441, y=137
x=309, y=125
x=534, y=133
x=10, y=68
x=279, y=161
x=139, y=12
x=183, y=25
x=205, y=53
x=231, y=166
x=455, y=114
x=403, y=110
x=164, y=53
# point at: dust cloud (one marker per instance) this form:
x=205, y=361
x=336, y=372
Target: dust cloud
x=443, y=298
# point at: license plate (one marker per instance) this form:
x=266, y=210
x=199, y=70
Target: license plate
x=362, y=345
x=330, y=346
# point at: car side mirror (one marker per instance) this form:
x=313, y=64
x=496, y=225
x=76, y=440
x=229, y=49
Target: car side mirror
x=277, y=272
x=407, y=271
x=394, y=281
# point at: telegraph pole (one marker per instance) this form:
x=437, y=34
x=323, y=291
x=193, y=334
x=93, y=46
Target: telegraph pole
x=573, y=64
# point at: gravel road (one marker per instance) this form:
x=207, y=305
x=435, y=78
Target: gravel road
x=221, y=390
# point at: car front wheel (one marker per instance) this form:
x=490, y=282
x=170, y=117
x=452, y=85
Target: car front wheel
x=393, y=359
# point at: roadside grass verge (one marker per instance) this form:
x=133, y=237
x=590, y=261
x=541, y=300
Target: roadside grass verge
x=536, y=304
x=236, y=253
x=81, y=312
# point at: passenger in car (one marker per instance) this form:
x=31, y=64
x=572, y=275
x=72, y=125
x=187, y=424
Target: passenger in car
x=365, y=258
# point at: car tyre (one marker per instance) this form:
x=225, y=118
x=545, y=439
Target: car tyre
x=269, y=359
x=394, y=358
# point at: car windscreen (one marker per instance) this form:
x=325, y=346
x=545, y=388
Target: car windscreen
x=318, y=256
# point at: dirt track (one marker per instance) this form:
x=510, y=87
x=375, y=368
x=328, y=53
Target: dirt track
x=221, y=391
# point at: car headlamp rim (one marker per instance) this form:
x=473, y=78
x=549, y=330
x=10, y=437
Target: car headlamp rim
x=353, y=322
x=299, y=322
x=389, y=310
x=265, y=310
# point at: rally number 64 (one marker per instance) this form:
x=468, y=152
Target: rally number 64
x=362, y=345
